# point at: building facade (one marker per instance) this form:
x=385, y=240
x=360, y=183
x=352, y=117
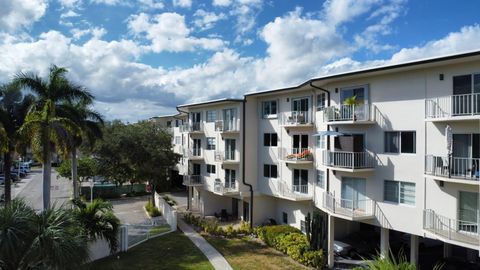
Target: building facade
x=395, y=147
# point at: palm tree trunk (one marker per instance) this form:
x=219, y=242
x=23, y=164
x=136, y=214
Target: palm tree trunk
x=74, y=173
x=46, y=168
x=7, y=163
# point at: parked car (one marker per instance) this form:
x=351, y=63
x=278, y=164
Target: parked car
x=343, y=249
x=20, y=172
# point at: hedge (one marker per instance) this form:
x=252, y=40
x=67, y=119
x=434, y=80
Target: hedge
x=292, y=242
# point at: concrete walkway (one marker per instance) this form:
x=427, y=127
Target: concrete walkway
x=215, y=258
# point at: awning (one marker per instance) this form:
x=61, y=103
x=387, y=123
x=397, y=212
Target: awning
x=328, y=133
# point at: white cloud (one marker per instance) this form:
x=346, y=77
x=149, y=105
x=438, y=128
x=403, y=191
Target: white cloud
x=169, y=32
x=206, y=20
x=96, y=32
x=20, y=13
x=246, y=12
x=182, y=3
x=70, y=3
x=69, y=14
x=222, y=3
x=152, y=4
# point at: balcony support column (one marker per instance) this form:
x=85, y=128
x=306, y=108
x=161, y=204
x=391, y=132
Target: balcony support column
x=384, y=242
x=414, y=249
x=447, y=250
x=331, y=239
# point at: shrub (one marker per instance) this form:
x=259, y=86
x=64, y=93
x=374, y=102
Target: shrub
x=245, y=227
x=292, y=242
x=152, y=210
x=169, y=200
x=210, y=226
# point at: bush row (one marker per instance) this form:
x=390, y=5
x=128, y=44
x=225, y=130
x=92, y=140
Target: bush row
x=211, y=226
x=152, y=210
x=292, y=242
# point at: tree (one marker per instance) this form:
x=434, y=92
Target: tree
x=98, y=221
x=47, y=240
x=90, y=123
x=49, y=121
x=14, y=107
x=87, y=169
x=138, y=152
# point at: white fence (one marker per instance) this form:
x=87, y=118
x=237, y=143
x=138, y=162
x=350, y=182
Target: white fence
x=453, y=167
x=168, y=213
x=452, y=229
x=451, y=106
x=349, y=160
x=349, y=208
x=361, y=112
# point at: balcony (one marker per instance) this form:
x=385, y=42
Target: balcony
x=350, y=114
x=457, y=232
x=348, y=209
x=349, y=161
x=195, y=128
x=225, y=127
x=297, y=155
x=453, y=108
x=453, y=169
x=291, y=192
x=192, y=180
x=227, y=157
x=225, y=188
x=193, y=153
x=297, y=119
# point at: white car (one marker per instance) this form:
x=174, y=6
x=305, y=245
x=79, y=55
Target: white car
x=343, y=249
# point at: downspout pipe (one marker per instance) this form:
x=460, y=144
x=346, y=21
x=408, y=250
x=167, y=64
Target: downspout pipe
x=328, y=128
x=243, y=163
x=188, y=145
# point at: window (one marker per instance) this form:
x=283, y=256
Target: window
x=303, y=226
x=399, y=192
x=270, y=139
x=211, y=116
x=321, y=101
x=284, y=218
x=270, y=171
x=321, y=142
x=269, y=109
x=210, y=143
x=400, y=142
x=211, y=168
x=178, y=140
x=321, y=179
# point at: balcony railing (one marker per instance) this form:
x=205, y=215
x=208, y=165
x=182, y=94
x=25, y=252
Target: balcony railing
x=193, y=180
x=453, y=106
x=226, y=156
x=193, y=153
x=297, y=154
x=225, y=187
x=451, y=229
x=349, y=208
x=195, y=127
x=348, y=160
x=296, y=118
x=227, y=126
x=453, y=167
x=362, y=112
x=294, y=192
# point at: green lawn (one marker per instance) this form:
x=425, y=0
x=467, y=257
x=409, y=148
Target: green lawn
x=251, y=255
x=171, y=251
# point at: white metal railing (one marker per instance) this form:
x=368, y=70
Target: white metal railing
x=227, y=125
x=296, y=118
x=191, y=180
x=348, y=160
x=193, y=152
x=361, y=112
x=195, y=127
x=225, y=187
x=183, y=128
x=453, y=167
x=348, y=208
x=452, y=106
x=221, y=156
x=292, y=191
x=452, y=229
x=297, y=154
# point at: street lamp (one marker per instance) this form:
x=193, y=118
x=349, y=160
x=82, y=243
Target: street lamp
x=18, y=169
x=92, y=183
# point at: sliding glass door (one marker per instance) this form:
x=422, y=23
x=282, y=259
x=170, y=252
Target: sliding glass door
x=468, y=212
x=353, y=193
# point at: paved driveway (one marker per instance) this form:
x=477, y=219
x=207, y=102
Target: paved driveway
x=130, y=210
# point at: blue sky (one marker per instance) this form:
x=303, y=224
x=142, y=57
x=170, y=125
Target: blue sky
x=140, y=58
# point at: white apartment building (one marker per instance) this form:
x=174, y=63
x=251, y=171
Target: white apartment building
x=395, y=147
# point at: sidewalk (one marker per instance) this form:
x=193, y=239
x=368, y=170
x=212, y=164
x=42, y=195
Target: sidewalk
x=215, y=258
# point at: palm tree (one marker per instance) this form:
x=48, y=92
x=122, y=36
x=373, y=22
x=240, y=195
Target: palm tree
x=48, y=123
x=14, y=107
x=98, y=220
x=51, y=239
x=90, y=123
